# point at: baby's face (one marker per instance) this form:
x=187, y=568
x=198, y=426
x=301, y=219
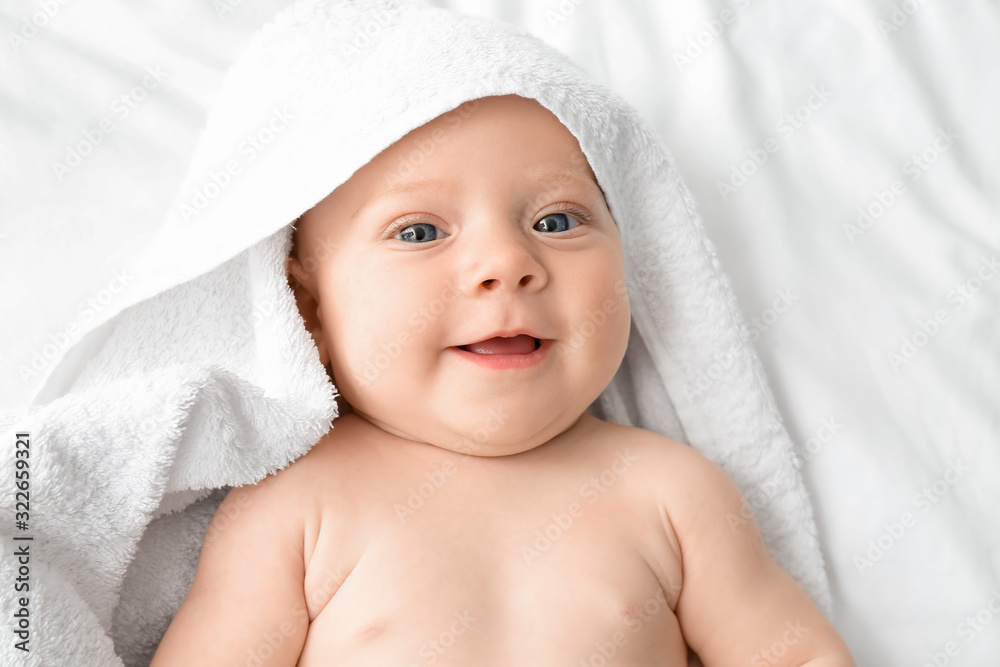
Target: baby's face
x=485, y=221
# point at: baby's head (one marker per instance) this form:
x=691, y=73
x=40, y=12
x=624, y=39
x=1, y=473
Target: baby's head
x=485, y=221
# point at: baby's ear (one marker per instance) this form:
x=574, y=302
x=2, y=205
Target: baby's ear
x=298, y=281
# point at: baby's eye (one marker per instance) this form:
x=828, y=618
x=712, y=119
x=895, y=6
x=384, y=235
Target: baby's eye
x=556, y=222
x=417, y=232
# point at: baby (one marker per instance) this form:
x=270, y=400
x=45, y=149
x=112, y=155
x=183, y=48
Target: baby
x=465, y=508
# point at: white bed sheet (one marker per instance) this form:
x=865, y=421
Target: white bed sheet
x=890, y=107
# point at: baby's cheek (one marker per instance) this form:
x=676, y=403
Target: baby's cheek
x=612, y=304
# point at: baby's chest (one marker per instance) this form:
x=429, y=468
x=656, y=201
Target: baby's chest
x=494, y=578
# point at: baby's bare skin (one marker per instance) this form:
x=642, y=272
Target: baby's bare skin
x=571, y=553
x=468, y=515
x=542, y=558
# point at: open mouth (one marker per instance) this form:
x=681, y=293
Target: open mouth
x=504, y=352
x=521, y=344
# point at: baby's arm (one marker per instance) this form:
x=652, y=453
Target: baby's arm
x=737, y=606
x=248, y=598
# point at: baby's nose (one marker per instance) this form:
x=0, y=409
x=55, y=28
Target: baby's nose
x=507, y=261
x=493, y=283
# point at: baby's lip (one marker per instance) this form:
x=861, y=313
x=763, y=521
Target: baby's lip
x=510, y=333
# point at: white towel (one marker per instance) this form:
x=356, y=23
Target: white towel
x=204, y=376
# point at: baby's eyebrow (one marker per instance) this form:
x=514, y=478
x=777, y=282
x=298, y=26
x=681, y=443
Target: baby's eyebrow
x=401, y=189
x=554, y=180
x=548, y=173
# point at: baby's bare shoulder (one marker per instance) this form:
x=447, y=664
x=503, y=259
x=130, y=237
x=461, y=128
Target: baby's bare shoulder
x=299, y=492
x=658, y=453
x=681, y=479
x=268, y=527
x=733, y=592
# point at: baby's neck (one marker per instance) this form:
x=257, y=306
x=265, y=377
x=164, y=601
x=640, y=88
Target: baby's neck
x=385, y=427
x=583, y=423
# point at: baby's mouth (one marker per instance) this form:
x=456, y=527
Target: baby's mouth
x=521, y=344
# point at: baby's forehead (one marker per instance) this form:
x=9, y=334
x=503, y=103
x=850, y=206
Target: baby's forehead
x=510, y=140
x=495, y=122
